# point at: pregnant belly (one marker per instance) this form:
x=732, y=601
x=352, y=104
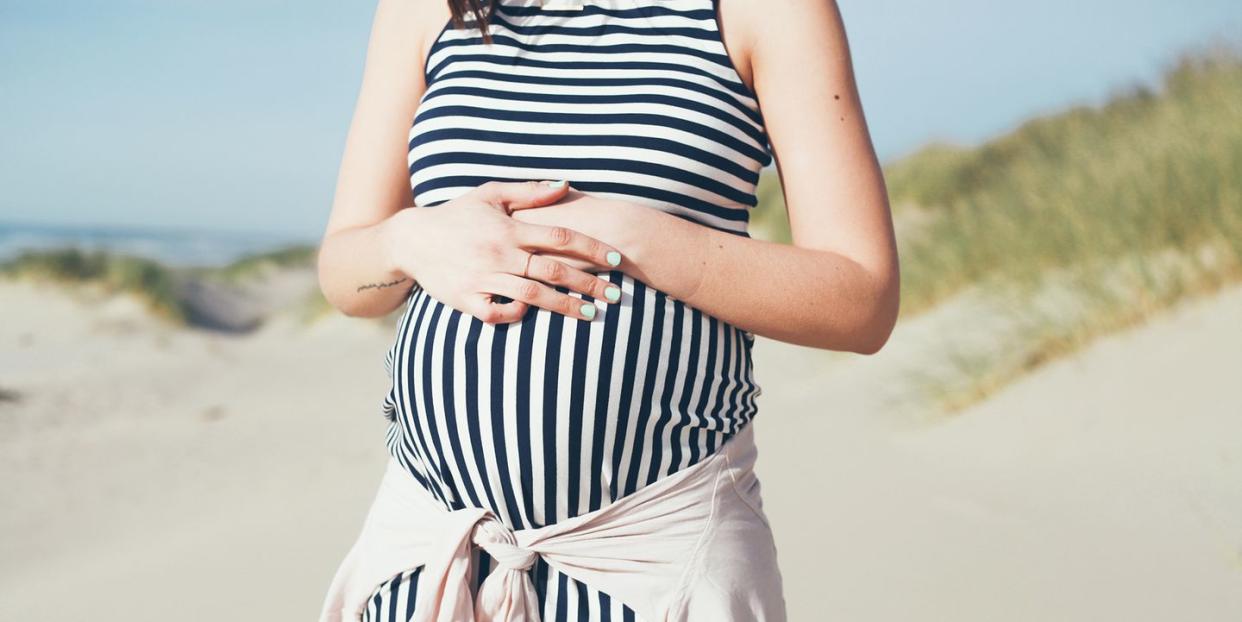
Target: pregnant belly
x=551, y=417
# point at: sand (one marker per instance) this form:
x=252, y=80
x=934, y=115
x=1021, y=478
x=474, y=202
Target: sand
x=157, y=473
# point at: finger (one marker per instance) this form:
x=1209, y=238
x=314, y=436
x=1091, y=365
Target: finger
x=566, y=241
x=555, y=272
x=525, y=194
x=539, y=295
x=486, y=309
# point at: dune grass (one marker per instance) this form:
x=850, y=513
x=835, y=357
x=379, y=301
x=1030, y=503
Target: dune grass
x=149, y=280
x=1134, y=206
x=1148, y=172
x=293, y=256
x=155, y=284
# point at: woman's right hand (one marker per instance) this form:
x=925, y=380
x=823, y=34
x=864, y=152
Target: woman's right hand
x=469, y=251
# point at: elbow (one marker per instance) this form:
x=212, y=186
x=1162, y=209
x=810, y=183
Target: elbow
x=343, y=304
x=357, y=313
x=330, y=294
x=863, y=323
x=874, y=342
x=349, y=304
x=879, y=320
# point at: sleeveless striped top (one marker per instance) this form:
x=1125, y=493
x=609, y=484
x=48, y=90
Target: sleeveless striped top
x=551, y=417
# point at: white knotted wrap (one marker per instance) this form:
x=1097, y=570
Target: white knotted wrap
x=507, y=593
x=691, y=546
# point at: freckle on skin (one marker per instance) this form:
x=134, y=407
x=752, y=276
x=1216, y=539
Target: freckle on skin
x=836, y=97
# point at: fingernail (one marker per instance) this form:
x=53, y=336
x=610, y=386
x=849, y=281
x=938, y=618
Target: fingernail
x=560, y=183
x=588, y=310
x=612, y=293
x=614, y=258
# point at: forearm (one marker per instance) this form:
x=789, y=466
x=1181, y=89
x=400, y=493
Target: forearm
x=356, y=274
x=808, y=297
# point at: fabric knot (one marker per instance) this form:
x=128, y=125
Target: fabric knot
x=507, y=595
x=499, y=542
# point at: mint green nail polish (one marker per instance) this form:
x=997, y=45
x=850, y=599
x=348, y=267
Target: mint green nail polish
x=612, y=293
x=614, y=258
x=560, y=183
x=588, y=310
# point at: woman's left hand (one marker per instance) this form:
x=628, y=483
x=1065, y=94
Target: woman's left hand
x=612, y=222
x=637, y=231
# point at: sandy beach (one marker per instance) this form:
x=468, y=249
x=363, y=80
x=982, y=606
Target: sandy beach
x=155, y=473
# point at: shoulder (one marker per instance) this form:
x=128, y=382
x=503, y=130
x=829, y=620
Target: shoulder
x=425, y=18
x=419, y=21
x=765, y=16
x=432, y=17
x=755, y=29
x=403, y=31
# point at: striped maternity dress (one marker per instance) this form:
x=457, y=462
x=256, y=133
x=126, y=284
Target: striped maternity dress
x=551, y=417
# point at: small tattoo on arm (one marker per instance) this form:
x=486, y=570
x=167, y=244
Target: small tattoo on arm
x=383, y=285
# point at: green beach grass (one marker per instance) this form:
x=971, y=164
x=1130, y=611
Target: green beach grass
x=293, y=256
x=150, y=281
x=155, y=284
x=1126, y=209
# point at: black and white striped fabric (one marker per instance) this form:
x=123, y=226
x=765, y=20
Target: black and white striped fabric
x=552, y=417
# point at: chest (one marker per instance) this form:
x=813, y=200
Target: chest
x=641, y=104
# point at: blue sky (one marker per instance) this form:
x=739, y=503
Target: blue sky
x=230, y=114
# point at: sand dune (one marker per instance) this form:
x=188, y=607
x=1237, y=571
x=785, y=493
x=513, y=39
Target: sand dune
x=1105, y=487
x=156, y=473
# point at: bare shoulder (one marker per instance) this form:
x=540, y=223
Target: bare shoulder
x=429, y=17
x=402, y=34
x=418, y=19
x=754, y=29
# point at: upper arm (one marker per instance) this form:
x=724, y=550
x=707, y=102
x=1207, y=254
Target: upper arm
x=373, y=182
x=803, y=76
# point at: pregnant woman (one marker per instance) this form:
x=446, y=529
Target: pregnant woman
x=572, y=393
